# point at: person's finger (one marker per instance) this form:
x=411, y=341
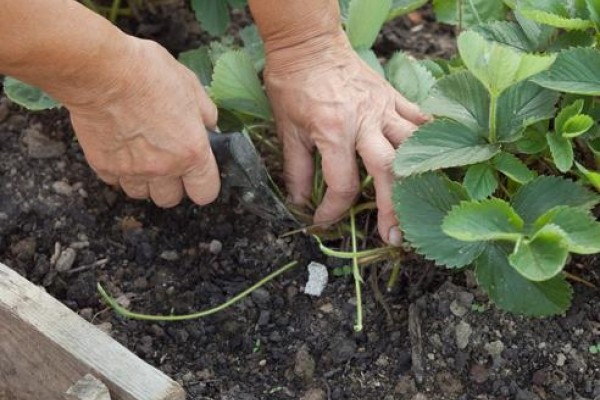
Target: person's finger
x=410, y=111
x=398, y=129
x=378, y=155
x=298, y=168
x=108, y=178
x=166, y=192
x=202, y=183
x=341, y=175
x=135, y=187
x=208, y=110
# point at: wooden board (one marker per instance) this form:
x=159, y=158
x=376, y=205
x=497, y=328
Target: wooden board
x=45, y=348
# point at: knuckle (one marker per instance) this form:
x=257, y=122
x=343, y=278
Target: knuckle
x=348, y=189
x=382, y=164
x=150, y=169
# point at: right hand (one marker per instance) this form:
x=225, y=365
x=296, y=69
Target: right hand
x=145, y=129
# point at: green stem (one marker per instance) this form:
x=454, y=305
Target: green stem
x=357, y=277
x=493, y=108
x=347, y=255
x=366, y=182
x=114, y=11
x=91, y=5
x=200, y=314
x=395, y=274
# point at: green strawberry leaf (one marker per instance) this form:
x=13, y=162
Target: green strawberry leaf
x=213, y=15
x=441, y=144
x=575, y=71
x=468, y=13
x=541, y=257
x=594, y=9
x=253, y=45
x=512, y=167
x=28, y=96
x=546, y=192
x=401, y=7
x=555, y=13
x=235, y=86
x=522, y=105
x=421, y=203
x=593, y=177
x=512, y=292
x=567, y=112
x=460, y=97
x=365, y=19
x=580, y=231
x=526, y=36
x=533, y=141
x=480, y=181
x=409, y=77
x=491, y=219
x=577, y=125
x=371, y=59
x=496, y=66
x=561, y=150
x=199, y=62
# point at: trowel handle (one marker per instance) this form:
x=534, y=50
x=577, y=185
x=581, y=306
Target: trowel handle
x=220, y=145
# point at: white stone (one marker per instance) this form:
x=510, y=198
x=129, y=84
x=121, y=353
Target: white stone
x=66, y=260
x=317, y=279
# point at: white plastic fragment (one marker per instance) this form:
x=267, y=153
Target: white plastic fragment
x=88, y=388
x=317, y=279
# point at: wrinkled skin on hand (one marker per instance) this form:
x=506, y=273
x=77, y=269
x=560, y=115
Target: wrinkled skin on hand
x=340, y=106
x=146, y=131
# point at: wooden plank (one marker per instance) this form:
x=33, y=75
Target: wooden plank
x=45, y=348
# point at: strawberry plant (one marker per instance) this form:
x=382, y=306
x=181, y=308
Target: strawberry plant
x=502, y=180
x=491, y=182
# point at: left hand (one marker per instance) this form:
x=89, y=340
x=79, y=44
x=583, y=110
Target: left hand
x=332, y=100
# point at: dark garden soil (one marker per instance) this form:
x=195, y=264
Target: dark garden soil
x=443, y=340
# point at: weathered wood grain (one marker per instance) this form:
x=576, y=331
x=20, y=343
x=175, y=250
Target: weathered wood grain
x=45, y=348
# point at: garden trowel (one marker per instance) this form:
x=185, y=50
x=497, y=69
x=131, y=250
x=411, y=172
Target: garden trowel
x=244, y=176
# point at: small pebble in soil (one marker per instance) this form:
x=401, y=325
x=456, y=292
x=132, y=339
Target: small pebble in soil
x=479, y=373
x=66, y=260
x=24, y=249
x=169, y=255
x=342, y=349
x=105, y=327
x=140, y=283
x=494, y=349
x=406, y=386
x=458, y=309
x=326, y=308
x=62, y=188
x=215, y=247
x=261, y=296
x=448, y=383
x=263, y=318
x=304, y=366
x=463, y=333
x=86, y=313
x=314, y=394
x=41, y=147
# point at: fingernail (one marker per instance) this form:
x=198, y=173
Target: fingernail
x=395, y=236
